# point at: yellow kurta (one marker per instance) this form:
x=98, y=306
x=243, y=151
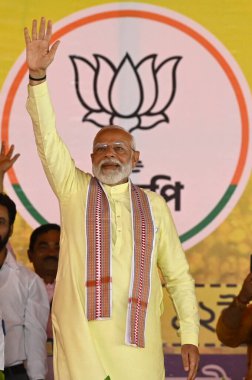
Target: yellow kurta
x=92, y=350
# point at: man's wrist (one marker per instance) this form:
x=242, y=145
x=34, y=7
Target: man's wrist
x=37, y=77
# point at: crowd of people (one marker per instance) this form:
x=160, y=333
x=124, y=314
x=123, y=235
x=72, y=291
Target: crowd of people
x=114, y=239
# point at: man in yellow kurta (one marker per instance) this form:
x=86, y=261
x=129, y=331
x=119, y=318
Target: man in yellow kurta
x=115, y=236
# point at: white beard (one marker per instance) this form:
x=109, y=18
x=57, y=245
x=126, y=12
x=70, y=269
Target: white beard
x=116, y=175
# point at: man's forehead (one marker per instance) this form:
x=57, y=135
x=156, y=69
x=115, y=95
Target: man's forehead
x=48, y=236
x=4, y=212
x=112, y=134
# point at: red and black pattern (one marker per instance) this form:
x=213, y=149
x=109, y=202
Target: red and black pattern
x=98, y=253
x=143, y=247
x=98, y=282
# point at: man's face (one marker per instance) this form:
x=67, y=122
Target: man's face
x=113, y=157
x=5, y=228
x=45, y=254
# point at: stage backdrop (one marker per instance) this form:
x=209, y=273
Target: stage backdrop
x=177, y=75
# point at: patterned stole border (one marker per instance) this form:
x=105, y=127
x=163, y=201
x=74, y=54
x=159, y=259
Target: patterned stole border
x=98, y=277
x=99, y=281
x=143, y=228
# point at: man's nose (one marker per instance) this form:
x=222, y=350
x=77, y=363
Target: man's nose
x=110, y=151
x=53, y=251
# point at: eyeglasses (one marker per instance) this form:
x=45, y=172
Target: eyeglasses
x=118, y=148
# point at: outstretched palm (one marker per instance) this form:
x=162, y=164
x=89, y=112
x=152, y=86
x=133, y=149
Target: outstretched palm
x=6, y=159
x=39, y=55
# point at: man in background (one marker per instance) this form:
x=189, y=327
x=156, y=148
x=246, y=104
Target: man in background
x=24, y=306
x=43, y=252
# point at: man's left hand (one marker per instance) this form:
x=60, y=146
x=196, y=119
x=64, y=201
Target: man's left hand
x=190, y=358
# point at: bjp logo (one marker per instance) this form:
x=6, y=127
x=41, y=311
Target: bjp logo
x=148, y=90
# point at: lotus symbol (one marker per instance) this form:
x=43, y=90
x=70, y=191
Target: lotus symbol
x=131, y=95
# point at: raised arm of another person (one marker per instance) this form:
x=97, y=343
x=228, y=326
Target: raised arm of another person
x=6, y=162
x=55, y=157
x=234, y=326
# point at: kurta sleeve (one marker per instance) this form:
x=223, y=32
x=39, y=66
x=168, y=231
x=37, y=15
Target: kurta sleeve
x=36, y=317
x=70, y=186
x=56, y=159
x=178, y=281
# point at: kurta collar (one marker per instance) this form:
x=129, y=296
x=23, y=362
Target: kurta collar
x=118, y=189
x=10, y=261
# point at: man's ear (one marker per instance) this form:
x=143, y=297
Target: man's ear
x=11, y=229
x=29, y=254
x=91, y=155
x=135, y=158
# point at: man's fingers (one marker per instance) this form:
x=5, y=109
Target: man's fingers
x=194, y=363
x=2, y=148
x=48, y=31
x=34, y=29
x=14, y=159
x=190, y=358
x=7, y=164
x=7, y=157
x=54, y=49
x=185, y=361
x=42, y=28
x=192, y=371
x=39, y=55
x=10, y=151
x=27, y=36
x=42, y=34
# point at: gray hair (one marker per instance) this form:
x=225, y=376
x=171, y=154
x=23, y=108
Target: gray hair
x=133, y=142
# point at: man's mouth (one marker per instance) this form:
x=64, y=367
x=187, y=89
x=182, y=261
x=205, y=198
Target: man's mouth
x=110, y=165
x=51, y=258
